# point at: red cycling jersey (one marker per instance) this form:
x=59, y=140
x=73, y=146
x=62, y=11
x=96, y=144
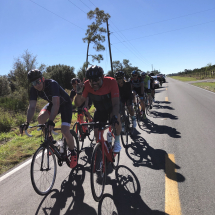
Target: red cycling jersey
x=109, y=86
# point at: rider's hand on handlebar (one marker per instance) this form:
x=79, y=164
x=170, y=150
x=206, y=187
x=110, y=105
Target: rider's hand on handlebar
x=23, y=126
x=113, y=120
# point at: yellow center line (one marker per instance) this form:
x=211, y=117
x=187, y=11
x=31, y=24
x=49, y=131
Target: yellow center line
x=166, y=99
x=172, y=201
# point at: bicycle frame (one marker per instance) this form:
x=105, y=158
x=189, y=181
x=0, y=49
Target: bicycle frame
x=105, y=150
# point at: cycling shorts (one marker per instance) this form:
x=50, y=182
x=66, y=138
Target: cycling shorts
x=137, y=91
x=147, y=90
x=65, y=110
x=123, y=104
x=101, y=116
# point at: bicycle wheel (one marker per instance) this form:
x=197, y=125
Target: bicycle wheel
x=76, y=129
x=138, y=113
x=43, y=170
x=76, y=148
x=91, y=129
x=124, y=135
x=98, y=173
x=115, y=164
x=147, y=105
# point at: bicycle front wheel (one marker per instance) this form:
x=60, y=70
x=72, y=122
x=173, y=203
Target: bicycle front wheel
x=115, y=164
x=98, y=173
x=43, y=170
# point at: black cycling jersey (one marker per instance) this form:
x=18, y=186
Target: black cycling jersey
x=125, y=91
x=137, y=83
x=52, y=89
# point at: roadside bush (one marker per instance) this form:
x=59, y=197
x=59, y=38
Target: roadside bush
x=6, y=122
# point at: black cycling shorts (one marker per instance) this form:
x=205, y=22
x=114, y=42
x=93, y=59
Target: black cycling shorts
x=65, y=110
x=101, y=116
x=138, y=91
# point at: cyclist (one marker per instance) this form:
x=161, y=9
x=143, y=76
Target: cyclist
x=104, y=93
x=138, y=88
x=152, y=87
x=146, y=80
x=87, y=104
x=126, y=96
x=58, y=102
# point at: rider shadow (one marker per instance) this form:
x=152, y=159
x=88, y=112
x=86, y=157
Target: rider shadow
x=126, y=197
x=69, y=188
x=158, y=106
x=150, y=127
x=156, y=114
x=142, y=154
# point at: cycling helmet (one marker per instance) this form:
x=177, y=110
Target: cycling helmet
x=119, y=74
x=94, y=72
x=143, y=73
x=34, y=75
x=74, y=80
x=135, y=72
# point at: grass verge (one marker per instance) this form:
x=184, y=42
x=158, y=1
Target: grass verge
x=206, y=85
x=184, y=78
x=14, y=148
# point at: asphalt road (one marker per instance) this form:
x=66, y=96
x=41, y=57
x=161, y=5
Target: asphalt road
x=167, y=169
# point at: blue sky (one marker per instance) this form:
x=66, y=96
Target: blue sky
x=167, y=35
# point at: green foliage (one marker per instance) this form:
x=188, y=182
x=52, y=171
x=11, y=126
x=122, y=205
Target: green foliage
x=22, y=65
x=62, y=74
x=4, y=86
x=6, y=121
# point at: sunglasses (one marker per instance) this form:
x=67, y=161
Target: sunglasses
x=94, y=79
x=118, y=78
x=134, y=75
x=38, y=81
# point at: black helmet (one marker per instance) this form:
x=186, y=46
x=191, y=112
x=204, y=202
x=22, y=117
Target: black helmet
x=143, y=73
x=34, y=75
x=152, y=74
x=119, y=74
x=94, y=72
x=135, y=72
x=74, y=80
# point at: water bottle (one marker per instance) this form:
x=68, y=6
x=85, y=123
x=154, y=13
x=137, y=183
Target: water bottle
x=109, y=137
x=61, y=145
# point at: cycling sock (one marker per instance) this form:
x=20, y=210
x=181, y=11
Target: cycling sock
x=117, y=138
x=72, y=152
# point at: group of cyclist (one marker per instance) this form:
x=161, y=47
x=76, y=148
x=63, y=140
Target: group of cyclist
x=108, y=95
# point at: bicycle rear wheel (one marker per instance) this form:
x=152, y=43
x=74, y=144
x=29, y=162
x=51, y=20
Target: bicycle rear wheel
x=98, y=173
x=76, y=148
x=43, y=170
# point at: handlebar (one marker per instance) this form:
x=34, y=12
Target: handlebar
x=40, y=126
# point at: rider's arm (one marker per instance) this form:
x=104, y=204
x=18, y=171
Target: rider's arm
x=55, y=107
x=149, y=84
x=31, y=110
x=86, y=102
x=115, y=106
x=142, y=88
x=79, y=100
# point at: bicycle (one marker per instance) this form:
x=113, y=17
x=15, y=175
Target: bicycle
x=125, y=117
x=43, y=165
x=101, y=157
x=138, y=111
x=80, y=127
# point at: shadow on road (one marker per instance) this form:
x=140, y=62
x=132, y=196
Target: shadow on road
x=150, y=127
x=142, y=154
x=55, y=201
x=126, y=199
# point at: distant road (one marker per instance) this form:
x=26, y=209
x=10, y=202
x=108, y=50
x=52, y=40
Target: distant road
x=167, y=169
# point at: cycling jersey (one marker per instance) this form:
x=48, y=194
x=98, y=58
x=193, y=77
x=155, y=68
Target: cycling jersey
x=137, y=83
x=102, y=97
x=52, y=89
x=147, y=82
x=125, y=92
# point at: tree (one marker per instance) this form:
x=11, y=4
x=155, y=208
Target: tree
x=61, y=73
x=4, y=86
x=18, y=76
x=81, y=72
x=94, y=33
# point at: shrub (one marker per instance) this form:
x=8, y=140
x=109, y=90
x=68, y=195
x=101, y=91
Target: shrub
x=6, y=122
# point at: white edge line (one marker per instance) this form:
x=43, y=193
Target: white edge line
x=15, y=170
